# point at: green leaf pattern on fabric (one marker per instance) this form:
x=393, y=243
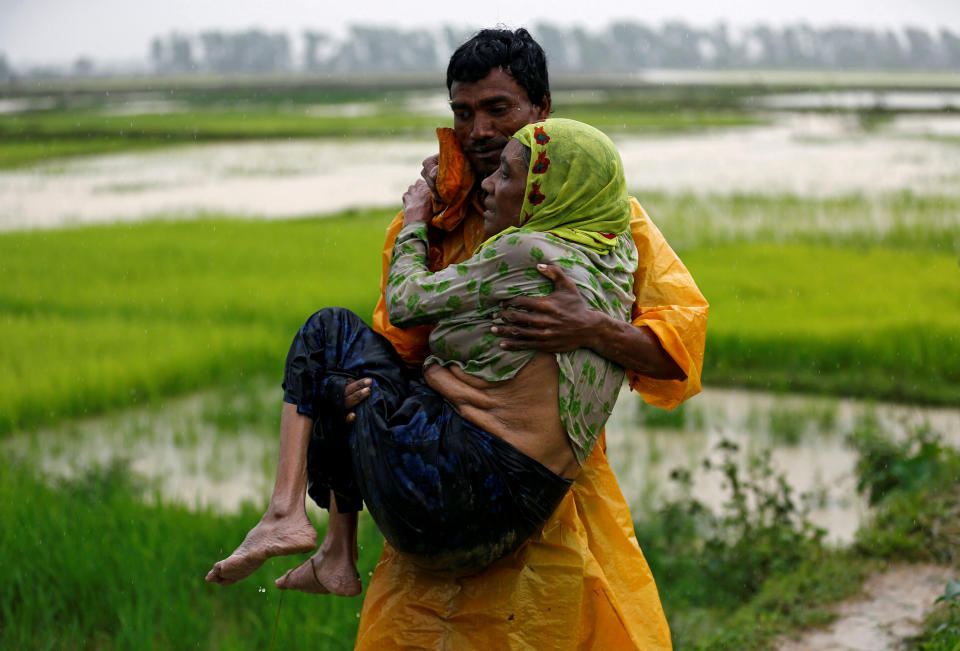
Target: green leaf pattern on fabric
x=460, y=302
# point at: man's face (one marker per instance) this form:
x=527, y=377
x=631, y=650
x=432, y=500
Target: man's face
x=487, y=112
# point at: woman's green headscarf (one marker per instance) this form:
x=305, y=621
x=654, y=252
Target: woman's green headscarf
x=576, y=189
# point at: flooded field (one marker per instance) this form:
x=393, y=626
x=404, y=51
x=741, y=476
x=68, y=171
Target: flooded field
x=219, y=450
x=799, y=154
x=807, y=438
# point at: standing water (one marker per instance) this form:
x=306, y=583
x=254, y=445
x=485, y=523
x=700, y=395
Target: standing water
x=219, y=450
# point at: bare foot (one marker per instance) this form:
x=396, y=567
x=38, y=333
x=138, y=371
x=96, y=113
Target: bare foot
x=273, y=536
x=324, y=573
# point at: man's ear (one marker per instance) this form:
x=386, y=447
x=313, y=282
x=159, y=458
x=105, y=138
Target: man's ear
x=546, y=106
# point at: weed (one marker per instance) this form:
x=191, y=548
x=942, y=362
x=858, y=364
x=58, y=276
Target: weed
x=942, y=626
x=755, y=568
x=101, y=569
x=657, y=418
x=884, y=465
x=914, y=486
x=759, y=531
x=787, y=426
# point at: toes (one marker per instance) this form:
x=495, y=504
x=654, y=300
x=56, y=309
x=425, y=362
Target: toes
x=214, y=576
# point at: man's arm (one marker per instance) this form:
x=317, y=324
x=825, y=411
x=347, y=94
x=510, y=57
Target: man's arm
x=562, y=322
x=669, y=322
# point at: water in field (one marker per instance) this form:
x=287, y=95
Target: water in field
x=895, y=100
x=807, y=437
x=805, y=154
x=212, y=449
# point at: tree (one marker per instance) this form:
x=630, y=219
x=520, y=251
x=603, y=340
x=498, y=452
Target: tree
x=313, y=51
x=173, y=54
x=250, y=51
x=83, y=67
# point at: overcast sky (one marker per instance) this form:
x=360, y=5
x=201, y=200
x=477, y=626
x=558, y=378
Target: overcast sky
x=58, y=31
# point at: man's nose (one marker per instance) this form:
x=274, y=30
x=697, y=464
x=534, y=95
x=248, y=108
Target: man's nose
x=482, y=128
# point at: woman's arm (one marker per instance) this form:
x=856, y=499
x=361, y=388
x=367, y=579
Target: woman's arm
x=500, y=271
x=414, y=295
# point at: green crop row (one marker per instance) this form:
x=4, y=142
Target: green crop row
x=88, y=564
x=39, y=135
x=870, y=322
x=96, y=318
x=99, y=317
x=902, y=220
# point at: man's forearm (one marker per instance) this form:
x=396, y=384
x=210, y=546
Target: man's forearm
x=637, y=349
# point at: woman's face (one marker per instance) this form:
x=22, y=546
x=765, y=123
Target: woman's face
x=505, y=188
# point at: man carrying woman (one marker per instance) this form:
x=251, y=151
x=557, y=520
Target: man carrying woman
x=581, y=580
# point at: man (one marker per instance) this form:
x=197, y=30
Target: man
x=582, y=582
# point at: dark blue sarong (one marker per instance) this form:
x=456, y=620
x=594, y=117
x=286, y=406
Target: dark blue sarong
x=440, y=488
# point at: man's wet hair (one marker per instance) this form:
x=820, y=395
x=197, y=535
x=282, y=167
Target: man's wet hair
x=514, y=51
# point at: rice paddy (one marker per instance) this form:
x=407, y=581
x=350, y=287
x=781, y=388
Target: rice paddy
x=850, y=290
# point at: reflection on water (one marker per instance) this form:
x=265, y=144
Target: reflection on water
x=262, y=179
x=806, y=435
x=890, y=100
x=185, y=449
x=220, y=449
x=805, y=154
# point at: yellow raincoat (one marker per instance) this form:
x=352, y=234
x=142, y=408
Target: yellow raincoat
x=582, y=582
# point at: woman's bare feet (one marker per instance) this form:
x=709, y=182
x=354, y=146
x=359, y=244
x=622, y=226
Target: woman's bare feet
x=325, y=572
x=276, y=534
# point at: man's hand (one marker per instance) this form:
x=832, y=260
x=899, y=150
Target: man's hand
x=562, y=322
x=355, y=393
x=557, y=323
x=431, y=167
x=417, y=204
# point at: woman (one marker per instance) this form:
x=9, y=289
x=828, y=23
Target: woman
x=461, y=465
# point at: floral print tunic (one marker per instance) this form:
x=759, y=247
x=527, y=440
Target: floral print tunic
x=462, y=299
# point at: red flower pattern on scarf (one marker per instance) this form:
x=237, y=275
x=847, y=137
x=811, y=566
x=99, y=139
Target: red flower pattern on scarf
x=535, y=196
x=540, y=136
x=542, y=163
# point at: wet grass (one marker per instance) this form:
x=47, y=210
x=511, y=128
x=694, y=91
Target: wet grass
x=99, y=318
x=896, y=221
x=87, y=564
x=870, y=322
x=41, y=135
x=34, y=136
x=102, y=317
x=755, y=569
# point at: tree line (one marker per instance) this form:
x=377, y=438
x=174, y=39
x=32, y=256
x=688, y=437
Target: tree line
x=620, y=46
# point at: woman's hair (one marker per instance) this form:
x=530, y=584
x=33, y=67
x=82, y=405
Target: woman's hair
x=525, y=156
x=514, y=51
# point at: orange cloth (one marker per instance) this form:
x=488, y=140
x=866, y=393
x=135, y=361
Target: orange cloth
x=582, y=582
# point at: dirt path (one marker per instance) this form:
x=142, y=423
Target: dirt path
x=892, y=608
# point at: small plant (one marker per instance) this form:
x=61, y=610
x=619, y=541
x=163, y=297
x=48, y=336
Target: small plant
x=913, y=484
x=655, y=417
x=787, y=425
x=725, y=556
x=886, y=465
x=942, y=627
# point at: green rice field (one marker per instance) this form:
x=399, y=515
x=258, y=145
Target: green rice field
x=855, y=295
x=27, y=138
x=122, y=313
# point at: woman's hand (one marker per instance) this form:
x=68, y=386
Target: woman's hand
x=355, y=393
x=417, y=204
